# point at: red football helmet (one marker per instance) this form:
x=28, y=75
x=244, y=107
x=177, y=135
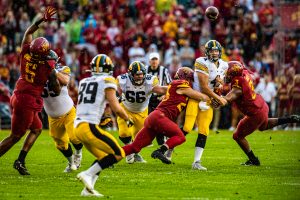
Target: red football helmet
x=185, y=73
x=235, y=68
x=39, y=47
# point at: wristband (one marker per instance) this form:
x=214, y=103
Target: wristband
x=37, y=23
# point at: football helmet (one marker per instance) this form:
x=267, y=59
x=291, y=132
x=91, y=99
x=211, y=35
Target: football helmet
x=52, y=56
x=101, y=63
x=213, y=45
x=184, y=73
x=235, y=68
x=39, y=48
x=135, y=69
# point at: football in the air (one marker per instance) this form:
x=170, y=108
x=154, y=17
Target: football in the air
x=212, y=13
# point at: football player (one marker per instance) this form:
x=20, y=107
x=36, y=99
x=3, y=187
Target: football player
x=253, y=107
x=163, y=119
x=26, y=102
x=94, y=93
x=209, y=73
x=61, y=114
x=135, y=89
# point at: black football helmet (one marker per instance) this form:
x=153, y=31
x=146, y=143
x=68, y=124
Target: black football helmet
x=137, y=68
x=101, y=63
x=213, y=45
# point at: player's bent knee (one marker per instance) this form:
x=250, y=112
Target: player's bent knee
x=36, y=131
x=236, y=137
x=15, y=138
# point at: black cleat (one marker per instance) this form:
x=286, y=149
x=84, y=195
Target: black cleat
x=255, y=162
x=295, y=118
x=21, y=168
x=158, y=154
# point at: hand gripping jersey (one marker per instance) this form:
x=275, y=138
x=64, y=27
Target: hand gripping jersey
x=57, y=105
x=91, y=98
x=136, y=98
x=205, y=66
x=173, y=103
x=34, y=74
x=249, y=103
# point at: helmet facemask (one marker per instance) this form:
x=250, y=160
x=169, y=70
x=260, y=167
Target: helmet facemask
x=137, y=73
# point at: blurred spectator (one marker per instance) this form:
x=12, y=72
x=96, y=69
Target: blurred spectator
x=73, y=28
x=267, y=89
x=136, y=53
x=5, y=115
x=187, y=55
x=112, y=31
x=170, y=53
x=9, y=30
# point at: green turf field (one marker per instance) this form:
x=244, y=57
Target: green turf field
x=277, y=178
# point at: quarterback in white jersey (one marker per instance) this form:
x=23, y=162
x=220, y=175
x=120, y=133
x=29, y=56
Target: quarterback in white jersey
x=61, y=115
x=209, y=74
x=94, y=93
x=135, y=89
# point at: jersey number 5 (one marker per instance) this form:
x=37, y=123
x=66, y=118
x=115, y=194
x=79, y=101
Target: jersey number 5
x=87, y=92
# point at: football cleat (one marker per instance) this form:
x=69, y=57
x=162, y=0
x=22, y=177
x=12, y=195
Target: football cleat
x=21, y=167
x=169, y=153
x=295, y=118
x=255, y=162
x=197, y=166
x=86, y=179
x=70, y=167
x=130, y=158
x=158, y=154
x=77, y=159
x=90, y=193
x=139, y=159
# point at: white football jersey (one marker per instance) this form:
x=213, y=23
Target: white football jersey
x=57, y=105
x=136, y=98
x=91, y=98
x=205, y=66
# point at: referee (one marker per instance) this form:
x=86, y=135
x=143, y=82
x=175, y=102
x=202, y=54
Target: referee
x=164, y=78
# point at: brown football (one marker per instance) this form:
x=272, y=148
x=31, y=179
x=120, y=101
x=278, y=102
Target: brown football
x=212, y=13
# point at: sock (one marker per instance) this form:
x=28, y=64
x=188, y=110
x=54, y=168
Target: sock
x=22, y=156
x=70, y=159
x=78, y=147
x=107, y=161
x=198, y=154
x=163, y=148
x=78, y=152
x=94, y=169
x=284, y=120
x=67, y=153
x=251, y=155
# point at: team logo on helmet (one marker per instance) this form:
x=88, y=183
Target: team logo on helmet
x=101, y=63
x=185, y=73
x=235, y=68
x=39, y=47
x=213, y=45
x=135, y=69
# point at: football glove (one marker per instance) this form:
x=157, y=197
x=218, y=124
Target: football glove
x=129, y=122
x=106, y=122
x=48, y=14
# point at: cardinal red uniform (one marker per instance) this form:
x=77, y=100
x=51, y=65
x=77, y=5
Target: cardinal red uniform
x=163, y=120
x=251, y=105
x=26, y=101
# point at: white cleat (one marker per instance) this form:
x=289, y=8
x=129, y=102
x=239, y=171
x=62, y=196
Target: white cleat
x=77, y=160
x=169, y=153
x=90, y=193
x=86, y=179
x=130, y=158
x=70, y=167
x=197, y=166
x=139, y=159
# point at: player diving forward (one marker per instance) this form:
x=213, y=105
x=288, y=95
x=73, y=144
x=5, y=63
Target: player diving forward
x=94, y=93
x=61, y=114
x=136, y=88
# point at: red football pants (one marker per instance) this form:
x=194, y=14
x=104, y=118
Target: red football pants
x=156, y=123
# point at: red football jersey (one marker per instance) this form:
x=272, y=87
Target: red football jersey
x=34, y=73
x=249, y=103
x=173, y=103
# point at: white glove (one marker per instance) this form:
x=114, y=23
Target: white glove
x=203, y=106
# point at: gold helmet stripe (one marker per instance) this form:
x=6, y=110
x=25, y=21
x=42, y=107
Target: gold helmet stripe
x=97, y=63
x=139, y=67
x=215, y=45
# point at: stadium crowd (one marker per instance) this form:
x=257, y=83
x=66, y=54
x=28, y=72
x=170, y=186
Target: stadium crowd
x=130, y=30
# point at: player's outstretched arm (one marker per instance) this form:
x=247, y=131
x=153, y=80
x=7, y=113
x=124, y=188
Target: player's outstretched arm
x=54, y=84
x=47, y=16
x=160, y=89
x=233, y=94
x=193, y=94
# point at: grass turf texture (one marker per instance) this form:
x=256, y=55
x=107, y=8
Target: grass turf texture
x=277, y=178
